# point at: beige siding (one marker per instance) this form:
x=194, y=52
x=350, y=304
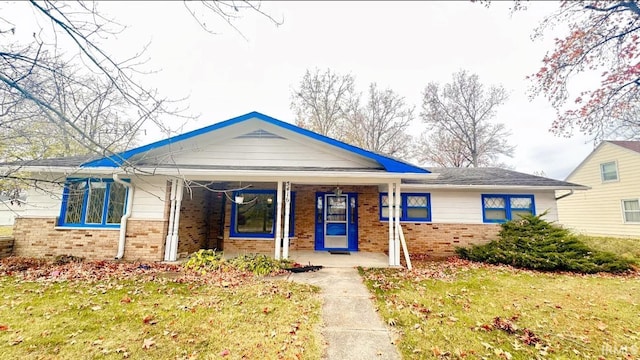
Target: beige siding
x=275, y=147
x=599, y=211
x=149, y=198
x=465, y=206
x=44, y=201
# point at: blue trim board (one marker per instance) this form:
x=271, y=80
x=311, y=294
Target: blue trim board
x=391, y=165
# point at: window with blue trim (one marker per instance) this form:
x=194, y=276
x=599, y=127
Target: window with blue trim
x=498, y=208
x=92, y=203
x=255, y=216
x=413, y=207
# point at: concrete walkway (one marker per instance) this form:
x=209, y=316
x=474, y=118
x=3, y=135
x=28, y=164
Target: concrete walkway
x=352, y=328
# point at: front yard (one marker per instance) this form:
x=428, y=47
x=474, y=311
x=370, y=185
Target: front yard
x=457, y=309
x=114, y=311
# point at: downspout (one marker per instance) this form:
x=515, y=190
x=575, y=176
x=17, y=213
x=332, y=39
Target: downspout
x=565, y=195
x=127, y=214
x=172, y=212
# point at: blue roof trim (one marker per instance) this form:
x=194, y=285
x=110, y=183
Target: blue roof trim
x=391, y=165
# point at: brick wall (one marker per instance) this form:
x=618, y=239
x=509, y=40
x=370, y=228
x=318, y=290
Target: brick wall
x=194, y=217
x=37, y=237
x=6, y=246
x=438, y=240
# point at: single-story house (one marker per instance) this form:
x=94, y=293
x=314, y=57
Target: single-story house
x=612, y=206
x=257, y=184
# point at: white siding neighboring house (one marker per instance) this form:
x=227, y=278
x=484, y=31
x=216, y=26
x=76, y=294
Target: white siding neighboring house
x=9, y=210
x=612, y=206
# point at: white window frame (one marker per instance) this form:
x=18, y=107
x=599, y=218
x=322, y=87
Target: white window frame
x=615, y=164
x=624, y=211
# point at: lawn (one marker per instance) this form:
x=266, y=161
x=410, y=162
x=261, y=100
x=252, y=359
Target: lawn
x=136, y=311
x=627, y=248
x=458, y=309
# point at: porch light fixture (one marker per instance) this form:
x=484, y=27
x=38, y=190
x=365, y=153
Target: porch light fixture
x=269, y=201
x=337, y=191
x=239, y=199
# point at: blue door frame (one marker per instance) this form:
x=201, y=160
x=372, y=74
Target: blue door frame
x=351, y=221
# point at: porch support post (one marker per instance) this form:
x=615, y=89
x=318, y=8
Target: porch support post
x=287, y=212
x=172, y=212
x=391, y=202
x=278, y=235
x=396, y=235
x=173, y=256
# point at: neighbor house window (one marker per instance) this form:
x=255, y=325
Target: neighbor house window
x=92, y=203
x=413, y=207
x=501, y=208
x=631, y=210
x=255, y=215
x=609, y=171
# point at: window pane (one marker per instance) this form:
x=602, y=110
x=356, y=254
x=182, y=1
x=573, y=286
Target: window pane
x=417, y=213
x=255, y=214
x=417, y=201
x=495, y=215
x=631, y=210
x=95, y=205
x=609, y=171
x=384, y=200
x=630, y=205
x=520, y=203
x=73, y=214
x=117, y=194
x=494, y=202
x=632, y=216
x=515, y=214
x=385, y=212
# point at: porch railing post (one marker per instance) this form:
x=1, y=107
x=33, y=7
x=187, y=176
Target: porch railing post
x=287, y=213
x=396, y=235
x=390, y=212
x=278, y=234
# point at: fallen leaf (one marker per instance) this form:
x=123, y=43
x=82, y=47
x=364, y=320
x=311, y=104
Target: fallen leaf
x=148, y=343
x=224, y=352
x=96, y=308
x=125, y=300
x=4, y=327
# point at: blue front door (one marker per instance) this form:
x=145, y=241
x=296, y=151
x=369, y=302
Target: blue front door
x=336, y=221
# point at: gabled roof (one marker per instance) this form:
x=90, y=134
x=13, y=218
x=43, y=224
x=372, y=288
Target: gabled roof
x=489, y=177
x=389, y=164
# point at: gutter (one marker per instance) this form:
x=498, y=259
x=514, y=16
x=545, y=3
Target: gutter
x=565, y=195
x=125, y=216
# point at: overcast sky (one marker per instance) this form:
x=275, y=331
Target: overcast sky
x=400, y=45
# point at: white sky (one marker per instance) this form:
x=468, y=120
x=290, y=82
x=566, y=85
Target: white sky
x=401, y=45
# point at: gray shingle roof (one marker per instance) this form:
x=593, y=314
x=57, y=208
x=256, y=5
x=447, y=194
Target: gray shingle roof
x=69, y=161
x=490, y=176
x=448, y=176
x=631, y=145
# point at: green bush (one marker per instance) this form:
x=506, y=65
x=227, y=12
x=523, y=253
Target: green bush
x=258, y=264
x=210, y=260
x=204, y=260
x=534, y=243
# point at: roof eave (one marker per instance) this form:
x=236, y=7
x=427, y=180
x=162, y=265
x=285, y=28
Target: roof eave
x=493, y=187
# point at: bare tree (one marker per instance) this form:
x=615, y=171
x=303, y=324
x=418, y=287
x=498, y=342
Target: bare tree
x=322, y=100
x=62, y=92
x=463, y=109
x=381, y=124
x=440, y=148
